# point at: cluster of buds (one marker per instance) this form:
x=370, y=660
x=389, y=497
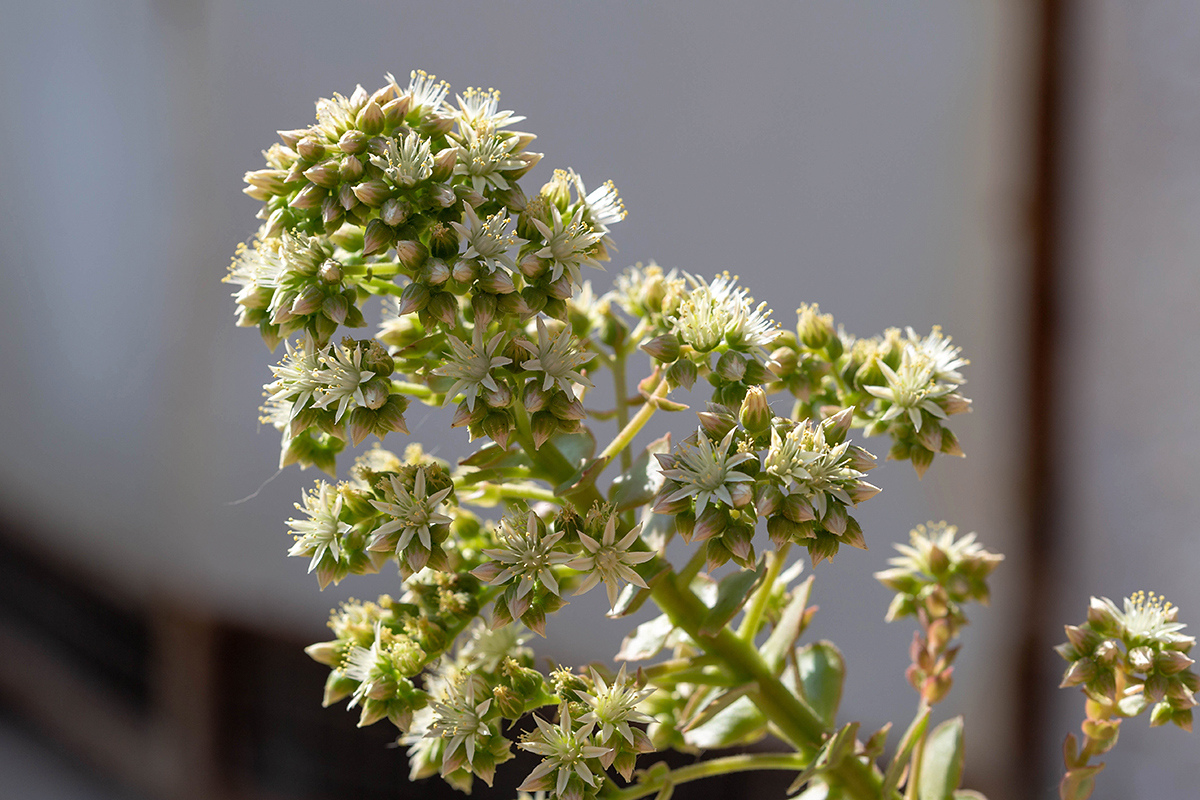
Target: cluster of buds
x=1133, y=658
x=904, y=387
x=324, y=394
x=802, y=477
x=936, y=575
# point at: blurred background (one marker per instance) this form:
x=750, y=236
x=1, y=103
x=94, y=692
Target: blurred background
x=1023, y=172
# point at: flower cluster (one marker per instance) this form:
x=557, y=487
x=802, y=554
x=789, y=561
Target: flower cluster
x=1134, y=657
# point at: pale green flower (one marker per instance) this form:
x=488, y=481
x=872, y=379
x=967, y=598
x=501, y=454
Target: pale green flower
x=490, y=240
x=296, y=379
x=802, y=456
x=458, y=718
x=477, y=108
x=406, y=161
x=705, y=471
x=610, y=560
x=322, y=532
x=484, y=154
x=615, y=706
x=603, y=206
x=944, y=357
x=256, y=269
x=565, y=752
x=412, y=513
x=487, y=648
x=471, y=365
x=341, y=378
x=911, y=388
x=335, y=115
x=375, y=667
x=1147, y=618
x=426, y=93
x=527, y=555
x=719, y=311
x=568, y=244
x=558, y=358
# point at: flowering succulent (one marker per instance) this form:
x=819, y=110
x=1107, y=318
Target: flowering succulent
x=401, y=195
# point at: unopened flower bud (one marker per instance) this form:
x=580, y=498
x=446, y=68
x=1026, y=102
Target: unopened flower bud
x=375, y=392
x=346, y=198
x=353, y=142
x=497, y=425
x=483, y=308
x=330, y=272
x=308, y=198
x=351, y=169
x=564, y=408
x=815, y=329
x=797, y=509
x=310, y=148
x=769, y=500
x=465, y=271
x=712, y=522
x=443, y=306
x=543, y=425
x=682, y=373
x=561, y=289
x=415, y=297
x=755, y=413
x=443, y=241
x=308, y=301
x=535, y=299
x=326, y=174
x=370, y=120
x=497, y=282
x=465, y=415
x=411, y=254
x=331, y=213
x=394, y=212
x=443, y=195
x=664, y=348
x=377, y=238
x=444, y=162
x=293, y=137
x=327, y=653
x=1141, y=659
x=500, y=398
x=716, y=423
x=272, y=180
x=373, y=192
x=434, y=272
x=731, y=366
x=534, y=397
x=395, y=110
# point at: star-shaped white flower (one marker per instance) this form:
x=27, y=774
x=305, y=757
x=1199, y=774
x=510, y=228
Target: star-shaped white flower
x=705, y=471
x=610, y=560
x=322, y=532
x=411, y=513
x=558, y=358
x=564, y=751
x=471, y=365
x=488, y=241
x=527, y=555
x=568, y=244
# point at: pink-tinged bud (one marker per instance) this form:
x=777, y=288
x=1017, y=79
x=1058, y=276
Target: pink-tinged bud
x=257, y=192
x=669, y=507
x=663, y=348
x=292, y=138
x=411, y=254
x=837, y=426
x=443, y=306
x=742, y=494
x=685, y=524
x=488, y=571
x=443, y=196
x=769, y=500
x=535, y=299
x=434, y=272
x=756, y=413
x=331, y=211
x=543, y=425
x=860, y=459
x=513, y=304
x=939, y=562
x=532, y=267
x=326, y=174
x=534, y=397
x=390, y=416
x=373, y=192
x=863, y=491
x=716, y=555
x=498, y=282
x=483, y=308
x=275, y=223
x=561, y=289
x=370, y=120
x=798, y=509
x=327, y=653
x=353, y=142
x=336, y=307
x=1170, y=662
x=500, y=398
x=361, y=424
x=415, y=297
x=346, y=197
x=712, y=522
x=308, y=301
x=377, y=238
x=834, y=520
x=394, y=111
x=375, y=392
x=437, y=125
x=528, y=162
x=731, y=366
x=465, y=271
x=716, y=424
x=308, y=198
x=444, y=162
x=351, y=169
x=497, y=425
x=272, y=180
x=466, y=192
x=310, y=148
x=465, y=415
x=682, y=373
x=566, y=409
x=740, y=541
x=393, y=212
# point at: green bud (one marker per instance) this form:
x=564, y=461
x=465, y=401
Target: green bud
x=377, y=238
x=682, y=373
x=483, y=307
x=444, y=162
x=731, y=366
x=415, y=297
x=353, y=142
x=443, y=241
x=310, y=148
x=814, y=328
x=664, y=348
x=755, y=413
x=443, y=306
x=370, y=120
x=394, y=212
x=373, y=192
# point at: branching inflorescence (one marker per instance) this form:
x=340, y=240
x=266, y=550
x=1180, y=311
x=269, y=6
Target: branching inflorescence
x=403, y=195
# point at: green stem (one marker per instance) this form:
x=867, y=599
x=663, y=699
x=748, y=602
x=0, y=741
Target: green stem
x=522, y=491
x=918, y=752
x=707, y=769
x=775, y=562
x=551, y=462
x=635, y=425
x=619, y=388
x=381, y=269
x=798, y=724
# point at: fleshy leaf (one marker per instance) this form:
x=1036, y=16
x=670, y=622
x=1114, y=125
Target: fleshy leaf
x=642, y=481
x=791, y=624
x=942, y=762
x=822, y=673
x=647, y=640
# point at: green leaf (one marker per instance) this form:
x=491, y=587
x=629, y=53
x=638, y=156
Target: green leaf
x=646, y=640
x=895, y=770
x=942, y=762
x=575, y=447
x=718, y=704
x=740, y=723
x=791, y=624
x=641, y=482
x=822, y=672
x=658, y=530
x=1078, y=783
x=968, y=794
x=732, y=592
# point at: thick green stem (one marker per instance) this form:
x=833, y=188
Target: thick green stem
x=622, y=393
x=707, y=769
x=515, y=491
x=775, y=562
x=798, y=724
x=914, y=769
